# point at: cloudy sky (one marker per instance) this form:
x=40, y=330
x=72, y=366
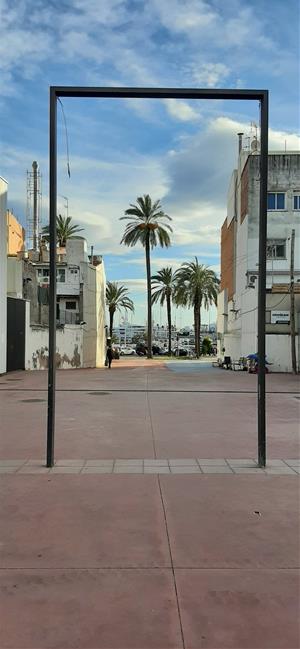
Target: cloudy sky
x=181, y=152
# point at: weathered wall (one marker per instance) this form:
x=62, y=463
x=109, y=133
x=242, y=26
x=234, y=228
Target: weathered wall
x=93, y=315
x=15, y=235
x=278, y=350
x=14, y=277
x=69, y=347
x=3, y=273
x=227, y=257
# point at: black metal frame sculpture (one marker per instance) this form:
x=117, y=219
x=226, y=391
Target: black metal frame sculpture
x=161, y=93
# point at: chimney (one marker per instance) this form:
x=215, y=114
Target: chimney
x=240, y=136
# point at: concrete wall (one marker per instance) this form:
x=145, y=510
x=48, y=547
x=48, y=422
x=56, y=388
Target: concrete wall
x=69, y=347
x=94, y=342
x=14, y=277
x=3, y=273
x=278, y=349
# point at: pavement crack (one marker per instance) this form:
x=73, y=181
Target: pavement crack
x=171, y=559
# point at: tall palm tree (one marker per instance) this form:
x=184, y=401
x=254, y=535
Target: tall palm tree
x=64, y=230
x=163, y=286
x=147, y=225
x=196, y=286
x=117, y=299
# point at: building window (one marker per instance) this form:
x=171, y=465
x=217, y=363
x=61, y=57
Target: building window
x=296, y=201
x=43, y=272
x=276, y=201
x=71, y=305
x=61, y=275
x=276, y=249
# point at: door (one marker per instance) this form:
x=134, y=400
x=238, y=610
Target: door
x=15, y=334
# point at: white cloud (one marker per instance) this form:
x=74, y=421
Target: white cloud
x=181, y=110
x=185, y=15
x=209, y=74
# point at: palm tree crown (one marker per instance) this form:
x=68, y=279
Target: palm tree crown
x=163, y=286
x=117, y=299
x=196, y=286
x=147, y=225
x=64, y=230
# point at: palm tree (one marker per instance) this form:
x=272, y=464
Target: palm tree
x=117, y=299
x=163, y=286
x=196, y=286
x=64, y=230
x=147, y=226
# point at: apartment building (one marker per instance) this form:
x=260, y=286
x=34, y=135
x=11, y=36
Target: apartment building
x=237, y=301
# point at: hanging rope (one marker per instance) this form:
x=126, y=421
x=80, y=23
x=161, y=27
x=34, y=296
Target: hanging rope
x=66, y=134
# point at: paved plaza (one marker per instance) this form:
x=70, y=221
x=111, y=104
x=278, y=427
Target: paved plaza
x=155, y=529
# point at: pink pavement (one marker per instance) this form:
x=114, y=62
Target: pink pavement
x=148, y=561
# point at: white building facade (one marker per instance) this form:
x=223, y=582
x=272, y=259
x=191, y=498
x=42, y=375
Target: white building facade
x=80, y=307
x=3, y=273
x=237, y=301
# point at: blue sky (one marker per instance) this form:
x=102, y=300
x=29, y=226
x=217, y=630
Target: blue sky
x=180, y=152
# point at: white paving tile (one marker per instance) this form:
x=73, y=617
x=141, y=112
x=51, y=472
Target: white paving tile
x=212, y=461
x=79, y=463
x=242, y=462
x=216, y=469
x=156, y=469
x=129, y=463
x=183, y=462
x=156, y=463
x=128, y=469
x=293, y=462
x=96, y=469
x=35, y=463
x=248, y=469
x=99, y=463
x=33, y=470
x=65, y=469
x=275, y=463
x=185, y=469
x=279, y=470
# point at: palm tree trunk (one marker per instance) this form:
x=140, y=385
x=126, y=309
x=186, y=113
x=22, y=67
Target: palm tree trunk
x=148, y=270
x=200, y=328
x=169, y=323
x=111, y=322
x=197, y=331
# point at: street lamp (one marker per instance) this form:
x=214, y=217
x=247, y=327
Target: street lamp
x=66, y=205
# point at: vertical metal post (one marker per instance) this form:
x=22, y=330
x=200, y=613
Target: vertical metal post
x=261, y=325
x=52, y=287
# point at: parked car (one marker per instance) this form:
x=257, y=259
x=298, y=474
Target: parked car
x=127, y=351
x=141, y=349
x=116, y=353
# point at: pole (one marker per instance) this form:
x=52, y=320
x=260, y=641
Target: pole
x=35, y=207
x=262, y=253
x=52, y=286
x=292, y=291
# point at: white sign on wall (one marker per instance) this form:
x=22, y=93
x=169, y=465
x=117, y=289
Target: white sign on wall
x=280, y=317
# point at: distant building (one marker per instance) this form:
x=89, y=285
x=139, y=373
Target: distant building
x=3, y=274
x=237, y=301
x=80, y=306
x=124, y=333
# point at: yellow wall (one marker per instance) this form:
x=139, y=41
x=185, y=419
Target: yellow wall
x=15, y=235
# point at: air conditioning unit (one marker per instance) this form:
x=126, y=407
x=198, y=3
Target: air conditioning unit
x=44, y=280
